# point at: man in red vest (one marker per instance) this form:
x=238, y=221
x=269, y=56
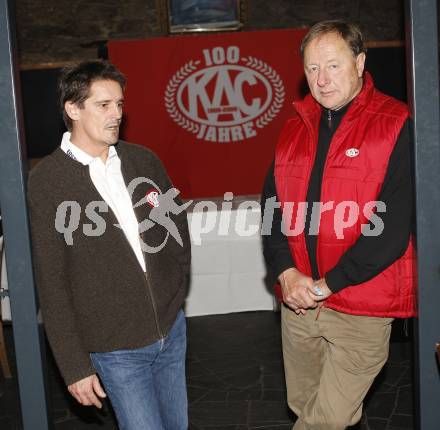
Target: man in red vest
x=340, y=240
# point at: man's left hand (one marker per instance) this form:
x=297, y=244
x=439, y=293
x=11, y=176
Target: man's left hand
x=324, y=289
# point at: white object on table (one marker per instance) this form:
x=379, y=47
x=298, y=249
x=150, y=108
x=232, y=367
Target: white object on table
x=228, y=272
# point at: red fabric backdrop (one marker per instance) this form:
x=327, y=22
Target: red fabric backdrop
x=211, y=106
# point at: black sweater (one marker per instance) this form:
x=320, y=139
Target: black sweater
x=370, y=254
x=94, y=294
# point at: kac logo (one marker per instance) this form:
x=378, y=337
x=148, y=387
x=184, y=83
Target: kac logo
x=225, y=98
x=352, y=152
x=152, y=198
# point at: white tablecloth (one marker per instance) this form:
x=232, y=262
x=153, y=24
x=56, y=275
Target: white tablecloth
x=228, y=272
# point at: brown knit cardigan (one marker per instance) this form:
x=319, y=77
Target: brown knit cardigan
x=93, y=294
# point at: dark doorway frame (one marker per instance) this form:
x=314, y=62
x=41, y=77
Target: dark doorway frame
x=423, y=98
x=28, y=333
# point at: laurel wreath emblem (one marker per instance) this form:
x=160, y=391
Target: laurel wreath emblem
x=170, y=92
x=277, y=84
x=252, y=62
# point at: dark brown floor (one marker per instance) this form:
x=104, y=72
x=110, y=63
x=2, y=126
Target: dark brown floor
x=235, y=381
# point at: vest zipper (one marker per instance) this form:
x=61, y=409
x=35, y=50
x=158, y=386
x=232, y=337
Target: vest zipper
x=304, y=194
x=329, y=120
x=153, y=304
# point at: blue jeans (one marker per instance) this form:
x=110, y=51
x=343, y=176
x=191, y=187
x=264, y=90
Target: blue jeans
x=147, y=386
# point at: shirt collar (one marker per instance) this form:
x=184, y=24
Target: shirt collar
x=81, y=156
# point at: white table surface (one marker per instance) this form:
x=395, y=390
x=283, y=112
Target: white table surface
x=228, y=272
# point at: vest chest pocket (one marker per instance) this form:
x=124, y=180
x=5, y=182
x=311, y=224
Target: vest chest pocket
x=352, y=173
x=292, y=171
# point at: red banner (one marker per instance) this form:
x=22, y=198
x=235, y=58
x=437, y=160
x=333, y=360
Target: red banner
x=211, y=106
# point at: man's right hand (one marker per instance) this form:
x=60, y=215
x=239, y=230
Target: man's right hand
x=87, y=391
x=294, y=286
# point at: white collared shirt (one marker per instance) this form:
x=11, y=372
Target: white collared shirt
x=108, y=180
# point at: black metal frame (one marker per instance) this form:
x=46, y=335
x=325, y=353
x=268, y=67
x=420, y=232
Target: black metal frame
x=423, y=96
x=27, y=331
x=205, y=26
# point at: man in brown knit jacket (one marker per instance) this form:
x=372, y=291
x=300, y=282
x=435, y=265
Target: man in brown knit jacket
x=112, y=257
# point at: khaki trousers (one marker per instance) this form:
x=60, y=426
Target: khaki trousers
x=330, y=362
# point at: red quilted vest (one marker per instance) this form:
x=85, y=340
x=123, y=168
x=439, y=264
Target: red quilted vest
x=354, y=171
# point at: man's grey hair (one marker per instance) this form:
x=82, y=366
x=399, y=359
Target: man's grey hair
x=348, y=31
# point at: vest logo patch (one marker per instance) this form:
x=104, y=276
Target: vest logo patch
x=152, y=199
x=352, y=152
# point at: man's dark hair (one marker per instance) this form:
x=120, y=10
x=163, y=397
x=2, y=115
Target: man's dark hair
x=75, y=81
x=349, y=32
